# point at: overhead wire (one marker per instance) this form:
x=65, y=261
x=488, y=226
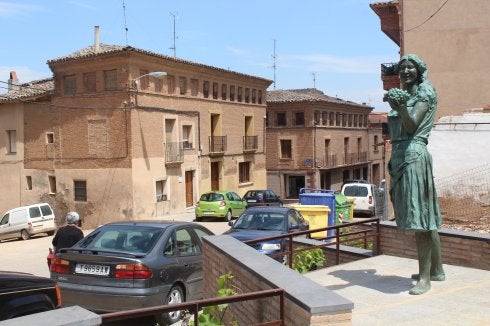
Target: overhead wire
x=428, y=18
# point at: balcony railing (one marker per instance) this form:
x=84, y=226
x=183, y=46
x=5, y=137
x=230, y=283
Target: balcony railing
x=250, y=143
x=174, y=153
x=389, y=76
x=217, y=144
x=354, y=158
x=330, y=161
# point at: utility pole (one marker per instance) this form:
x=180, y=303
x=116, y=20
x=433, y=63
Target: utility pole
x=174, y=47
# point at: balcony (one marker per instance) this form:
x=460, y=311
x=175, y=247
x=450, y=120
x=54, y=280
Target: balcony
x=217, y=145
x=355, y=158
x=389, y=76
x=250, y=143
x=329, y=161
x=174, y=153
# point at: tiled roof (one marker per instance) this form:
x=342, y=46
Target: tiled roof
x=306, y=95
x=383, y=4
x=105, y=49
x=29, y=90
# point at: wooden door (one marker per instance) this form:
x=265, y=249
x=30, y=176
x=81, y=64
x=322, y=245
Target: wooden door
x=214, y=175
x=189, y=189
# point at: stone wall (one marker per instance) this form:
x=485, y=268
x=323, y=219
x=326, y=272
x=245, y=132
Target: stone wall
x=468, y=249
x=306, y=302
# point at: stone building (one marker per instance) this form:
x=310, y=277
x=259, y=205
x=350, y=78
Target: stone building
x=452, y=38
x=121, y=133
x=318, y=141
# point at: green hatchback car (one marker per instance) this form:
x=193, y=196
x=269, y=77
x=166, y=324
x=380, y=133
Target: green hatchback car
x=225, y=204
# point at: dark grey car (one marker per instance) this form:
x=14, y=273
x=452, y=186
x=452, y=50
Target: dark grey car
x=264, y=197
x=129, y=265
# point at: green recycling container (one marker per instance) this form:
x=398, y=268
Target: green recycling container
x=343, y=209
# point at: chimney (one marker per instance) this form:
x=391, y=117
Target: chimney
x=13, y=81
x=96, y=40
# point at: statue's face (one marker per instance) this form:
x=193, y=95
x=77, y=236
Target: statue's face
x=408, y=72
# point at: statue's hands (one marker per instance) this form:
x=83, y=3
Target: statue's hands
x=396, y=98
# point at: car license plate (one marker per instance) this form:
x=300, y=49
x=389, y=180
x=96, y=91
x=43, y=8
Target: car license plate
x=208, y=213
x=92, y=269
x=252, y=201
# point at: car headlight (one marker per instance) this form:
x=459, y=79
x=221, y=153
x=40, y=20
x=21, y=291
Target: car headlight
x=270, y=246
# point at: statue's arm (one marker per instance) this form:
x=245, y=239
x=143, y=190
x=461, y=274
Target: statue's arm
x=412, y=119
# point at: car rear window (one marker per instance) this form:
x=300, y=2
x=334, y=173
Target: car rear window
x=355, y=191
x=212, y=197
x=122, y=238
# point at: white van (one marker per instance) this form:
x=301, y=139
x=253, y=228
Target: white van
x=363, y=193
x=23, y=222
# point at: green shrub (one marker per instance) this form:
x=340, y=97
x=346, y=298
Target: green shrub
x=308, y=260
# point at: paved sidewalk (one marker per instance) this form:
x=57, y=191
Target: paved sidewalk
x=379, y=286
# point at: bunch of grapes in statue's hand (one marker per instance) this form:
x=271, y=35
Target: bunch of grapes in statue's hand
x=396, y=97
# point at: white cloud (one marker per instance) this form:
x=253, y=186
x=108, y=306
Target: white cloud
x=332, y=63
x=239, y=52
x=10, y=9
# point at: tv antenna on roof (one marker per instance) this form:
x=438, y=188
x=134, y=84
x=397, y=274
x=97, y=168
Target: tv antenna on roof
x=174, y=48
x=125, y=24
x=314, y=79
x=274, y=57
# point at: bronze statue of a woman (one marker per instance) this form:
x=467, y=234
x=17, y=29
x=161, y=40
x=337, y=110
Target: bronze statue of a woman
x=412, y=189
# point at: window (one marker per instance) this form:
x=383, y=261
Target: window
x=49, y=138
x=89, y=82
x=52, y=184
x=12, y=142
x=186, y=246
x=205, y=89
x=281, y=119
x=299, y=118
x=80, y=190
x=170, y=84
x=254, y=95
x=97, y=137
x=187, y=136
x=355, y=120
x=286, y=148
x=194, y=87
x=331, y=119
x=239, y=96
x=247, y=95
x=160, y=191
x=376, y=143
x=70, y=84
x=28, y=182
x=232, y=93
x=244, y=172
x=144, y=79
x=223, y=92
x=260, y=97
x=215, y=91
x=183, y=85
x=324, y=118
x=158, y=85
x=110, y=80
x=350, y=120
x=316, y=117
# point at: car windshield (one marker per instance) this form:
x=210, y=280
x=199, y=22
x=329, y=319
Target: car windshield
x=129, y=238
x=269, y=221
x=355, y=191
x=211, y=197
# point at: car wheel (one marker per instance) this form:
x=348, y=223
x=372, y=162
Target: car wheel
x=50, y=233
x=228, y=216
x=198, y=218
x=25, y=235
x=174, y=296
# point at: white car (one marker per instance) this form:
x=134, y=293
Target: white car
x=363, y=193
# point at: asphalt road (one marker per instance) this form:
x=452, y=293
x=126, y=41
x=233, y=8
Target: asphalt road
x=29, y=256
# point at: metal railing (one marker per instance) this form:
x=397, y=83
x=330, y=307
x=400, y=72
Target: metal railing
x=250, y=143
x=174, y=152
x=336, y=239
x=217, y=144
x=353, y=158
x=195, y=306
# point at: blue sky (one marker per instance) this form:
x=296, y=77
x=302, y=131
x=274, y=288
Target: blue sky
x=339, y=41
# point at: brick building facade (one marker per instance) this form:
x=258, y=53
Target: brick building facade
x=115, y=140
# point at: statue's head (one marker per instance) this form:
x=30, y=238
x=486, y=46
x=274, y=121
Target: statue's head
x=417, y=62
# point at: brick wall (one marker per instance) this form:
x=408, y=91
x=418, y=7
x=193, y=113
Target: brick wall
x=306, y=302
x=468, y=249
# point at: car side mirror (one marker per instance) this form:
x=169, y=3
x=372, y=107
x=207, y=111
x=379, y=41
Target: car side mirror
x=294, y=227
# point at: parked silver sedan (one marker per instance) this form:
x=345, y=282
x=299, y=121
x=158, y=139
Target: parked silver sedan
x=129, y=265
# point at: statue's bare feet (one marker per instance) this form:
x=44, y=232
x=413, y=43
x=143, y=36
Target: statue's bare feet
x=433, y=277
x=421, y=287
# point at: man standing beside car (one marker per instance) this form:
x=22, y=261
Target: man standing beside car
x=68, y=235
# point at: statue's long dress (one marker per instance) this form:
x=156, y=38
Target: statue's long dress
x=412, y=189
